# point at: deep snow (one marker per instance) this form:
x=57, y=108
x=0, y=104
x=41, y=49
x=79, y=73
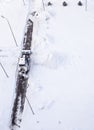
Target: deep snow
x=60, y=88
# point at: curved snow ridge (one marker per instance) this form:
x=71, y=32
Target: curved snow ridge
x=51, y=60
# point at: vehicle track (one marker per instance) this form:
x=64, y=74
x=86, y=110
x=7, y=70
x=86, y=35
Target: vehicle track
x=22, y=76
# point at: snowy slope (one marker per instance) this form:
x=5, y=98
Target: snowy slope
x=60, y=88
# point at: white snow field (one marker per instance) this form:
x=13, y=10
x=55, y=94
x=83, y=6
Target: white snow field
x=61, y=83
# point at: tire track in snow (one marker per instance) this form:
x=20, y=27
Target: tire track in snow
x=22, y=76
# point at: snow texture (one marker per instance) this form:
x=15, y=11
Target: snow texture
x=61, y=82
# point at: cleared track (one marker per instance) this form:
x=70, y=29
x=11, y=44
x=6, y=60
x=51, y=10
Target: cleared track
x=22, y=76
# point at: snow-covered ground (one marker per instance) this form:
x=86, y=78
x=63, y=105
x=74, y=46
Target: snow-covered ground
x=60, y=88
